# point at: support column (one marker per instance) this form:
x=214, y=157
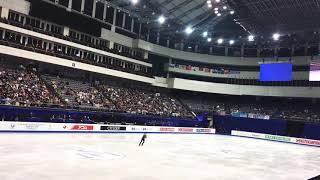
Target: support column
x=145, y=55
x=69, y=5
x=94, y=8
x=226, y=51
x=26, y=43
x=47, y=46
x=140, y=28
x=105, y=11
x=168, y=43
x=82, y=6
x=181, y=45
x=4, y=13
x=276, y=50
x=259, y=51
x=3, y=34
x=242, y=50
x=21, y=40
x=111, y=45
x=196, y=48
x=170, y=62
x=132, y=24
x=148, y=35
x=158, y=37
x=124, y=20
x=66, y=31
x=113, y=27
x=211, y=50
x=293, y=47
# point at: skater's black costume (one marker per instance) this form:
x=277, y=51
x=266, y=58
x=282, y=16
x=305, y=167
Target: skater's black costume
x=143, y=140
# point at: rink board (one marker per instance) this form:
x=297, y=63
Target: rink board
x=6, y=126
x=276, y=138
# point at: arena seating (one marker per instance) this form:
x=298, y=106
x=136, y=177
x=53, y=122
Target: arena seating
x=24, y=88
x=274, y=108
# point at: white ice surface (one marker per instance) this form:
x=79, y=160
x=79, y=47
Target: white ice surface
x=164, y=157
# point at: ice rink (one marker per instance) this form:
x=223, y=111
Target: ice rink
x=164, y=157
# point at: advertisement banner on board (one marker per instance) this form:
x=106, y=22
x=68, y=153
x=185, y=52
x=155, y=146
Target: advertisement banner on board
x=82, y=127
x=166, y=129
x=185, y=130
x=113, y=128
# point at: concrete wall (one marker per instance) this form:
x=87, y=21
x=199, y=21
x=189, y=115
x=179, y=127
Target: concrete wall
x=233, y=89
x=21, y=6
x=72, y=64
x=299, y=75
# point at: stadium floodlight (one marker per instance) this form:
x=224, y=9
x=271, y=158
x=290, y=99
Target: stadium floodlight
x=216, y=12
x=188, y=30
x=217, y=1
x=205, y=34
x=231, y=42
x=220, y=41
x=216, y=9
x=209, y=39
x=224, y=7
x=134, y=2
x=276, y=36
x=231, y=12
x=208, y=1
x=219, y=14
x=209, y=5
x=161, y=19
x=251, y=38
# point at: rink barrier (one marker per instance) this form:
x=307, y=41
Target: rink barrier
x=276, y=138
x=34, y=127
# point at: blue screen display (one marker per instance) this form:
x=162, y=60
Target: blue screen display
x=276, y=72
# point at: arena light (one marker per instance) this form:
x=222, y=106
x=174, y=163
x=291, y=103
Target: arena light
x=209, y=5
x=251, y=38
x=220, y=41
x=216, y=9
x=217, y=1
x=205, y=34
x=224, y=7
x=209, y=39
x=188, y=30
x=219, y=14
x=161, y=19
x=134, y=2
x=216, y=12
x=208, y=1
x=231, y=12
x=276, y=36
x=231, y=42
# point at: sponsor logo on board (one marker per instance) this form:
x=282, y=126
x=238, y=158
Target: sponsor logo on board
x=165, y=129
x=82, y=127
x=185, y=130
x=113, y=128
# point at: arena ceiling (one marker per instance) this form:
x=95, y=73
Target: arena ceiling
x=259, y=17
x=262, y=18
x=287, y=16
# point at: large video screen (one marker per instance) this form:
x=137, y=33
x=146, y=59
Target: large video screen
x=314, y=74
x=276, y=72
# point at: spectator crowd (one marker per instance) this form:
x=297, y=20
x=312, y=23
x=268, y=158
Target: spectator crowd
x=23, y=88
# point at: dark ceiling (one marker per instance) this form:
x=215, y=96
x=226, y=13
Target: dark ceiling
x=295, y=20
x=285, y=16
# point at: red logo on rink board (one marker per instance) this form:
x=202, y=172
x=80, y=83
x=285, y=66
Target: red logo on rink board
x=185, y=130
x=167, y=129
x=82, y=127
x=307, y=141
